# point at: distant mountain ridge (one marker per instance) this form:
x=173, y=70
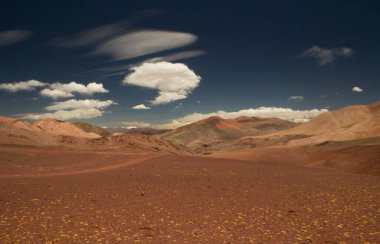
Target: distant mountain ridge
x=347, y=139
x=79, y=135
x=349, y=123
x=216, y=128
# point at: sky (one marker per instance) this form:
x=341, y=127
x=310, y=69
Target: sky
x=168, y=63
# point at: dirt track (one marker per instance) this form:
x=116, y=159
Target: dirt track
x=182, y=198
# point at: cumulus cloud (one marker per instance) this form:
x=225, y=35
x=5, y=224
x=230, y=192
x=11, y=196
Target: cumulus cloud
x=55, y=94
x=174, y=81
x=357, y=89
x=72, y=109
x=60, y=90
x=140, y=107
x=13, y=36
x=263, y=112
x=296, y=98
x=140, y=43
x=122, y=69
x=327, y=56
x=55, y=90
x=135, y=124
x=22, y=85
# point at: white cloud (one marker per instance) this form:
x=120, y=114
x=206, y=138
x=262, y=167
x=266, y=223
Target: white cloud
x=22, y=85
x=72, y=109
x=55, y=90
x=55, y=94
x=80, y=104
x=296, y=98
x=66, y=114
x=357, y=89
x=174, y=81
x=103, y=33
x=326, y=56
x=13, y=36
x=121, y=69
x=59, y=90
x=263, y=112
x=344, y=51
x=140, y=43
x=135, y=124
x=140, y=107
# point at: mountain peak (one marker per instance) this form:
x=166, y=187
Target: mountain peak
x=209, y=119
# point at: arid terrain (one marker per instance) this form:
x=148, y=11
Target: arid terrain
x=218, y=180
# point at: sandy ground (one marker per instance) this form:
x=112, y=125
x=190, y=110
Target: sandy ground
x=87, y=197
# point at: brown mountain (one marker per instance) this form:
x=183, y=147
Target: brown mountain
x=347, y=140
x=46, y=132
x=56, y=133
x=90, y=128
x=4, y=121
x=58, y=127
x=215, y=129
x=349, y=123
x=17, y=132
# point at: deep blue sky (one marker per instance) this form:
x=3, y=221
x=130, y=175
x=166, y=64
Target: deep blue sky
x=253, y=54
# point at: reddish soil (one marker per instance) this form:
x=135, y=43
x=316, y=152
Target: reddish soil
x=82, y=196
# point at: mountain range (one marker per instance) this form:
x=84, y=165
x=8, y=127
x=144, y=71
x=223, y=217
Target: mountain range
x=347, y=139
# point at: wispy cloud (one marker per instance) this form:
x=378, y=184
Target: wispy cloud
x=177, y=56
x=135, y=124
x=143, y=42
x=66, y=114
x=91, y=36
x=100, y=34
x=72, y=109
x=22, y=86
x=13, y=36
x=296, y=99
x=326, y=56
x=174, y=81
x=357, y=89
x=263, y=112
x=140, y=107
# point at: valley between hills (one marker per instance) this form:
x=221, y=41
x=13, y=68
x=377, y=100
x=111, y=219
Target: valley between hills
x=216, y=180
